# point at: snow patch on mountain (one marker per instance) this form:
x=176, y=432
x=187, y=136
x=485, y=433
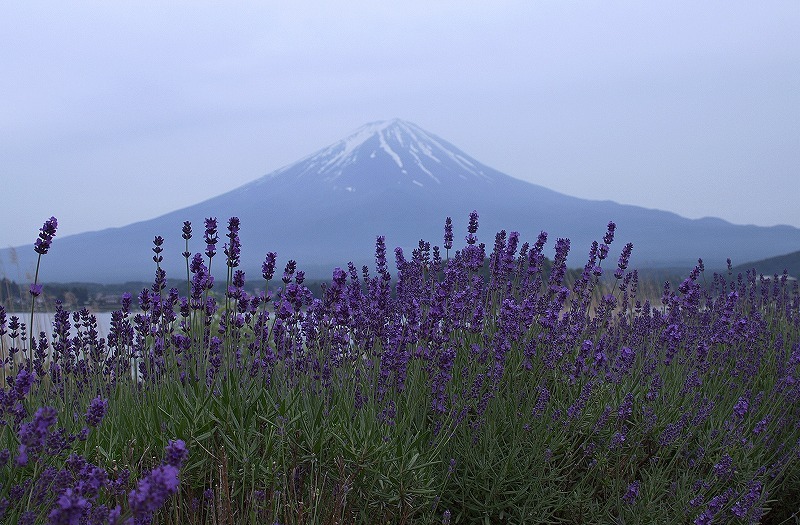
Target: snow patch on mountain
x=413, y=151
x=385, y=147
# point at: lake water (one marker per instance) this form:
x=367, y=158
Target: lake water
x=43, y=321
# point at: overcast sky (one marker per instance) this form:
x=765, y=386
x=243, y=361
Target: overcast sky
x=115, y=112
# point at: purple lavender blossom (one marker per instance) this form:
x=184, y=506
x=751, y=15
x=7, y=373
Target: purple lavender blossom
x=46, y=234
x=542, y=401
x=761, y=426
x=33, y=435
x=724, y=467
x=268, y=268
x=625, y=410
x=472, y=228
x=624, y=259
x=744, y=505
x=187, y=230
x=574, y=411
x=96, y=411
x=176, y=453
x=158, y=241
x=152, y=491
x=70, y=509
x=58, y=441
x=145, y=300
x=715, y=505
x=291, y=266
x=202, y=280
x=448, y=233
x=446, y=517
x=741, y=407
x=671, y=433
x=233, y=247
x=380, y=254
x=35, y=290
x=559, y=269
x=609, y=236
x=632, y=493
x=21, y=384
x=187, y=234
x=126, y=302
x=102, y=515
x=617, y=440
x=473, y=222
x=160, y=281
x=210, y=237
x=238, y=279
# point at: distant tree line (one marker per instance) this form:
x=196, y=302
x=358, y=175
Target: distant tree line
x=14, y=296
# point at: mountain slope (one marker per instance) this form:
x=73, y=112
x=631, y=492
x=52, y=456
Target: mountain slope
x=774, y=265
x=395, y=179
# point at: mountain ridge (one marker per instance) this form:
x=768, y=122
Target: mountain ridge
x=790, y=262
x=395, y=179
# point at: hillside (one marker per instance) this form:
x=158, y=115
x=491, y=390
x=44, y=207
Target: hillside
x=774, y=265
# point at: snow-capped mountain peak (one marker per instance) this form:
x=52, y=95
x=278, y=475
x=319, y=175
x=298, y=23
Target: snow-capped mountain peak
x=393, y=151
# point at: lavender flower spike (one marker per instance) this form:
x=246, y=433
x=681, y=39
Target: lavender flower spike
x=632, y=493
x=268, y=268
x=176, y=453
x=291, y=266
x=211, y=236
x=96, y=411
x=624, y=259
x=32, y=436
x=158, y=241
x=70, y=508
x=152, y=492
x=187, y=234
x=46, y=234
x=609, y=236
x=472, y=228
x=233, y=248
x=448, y=233
x=187, y=230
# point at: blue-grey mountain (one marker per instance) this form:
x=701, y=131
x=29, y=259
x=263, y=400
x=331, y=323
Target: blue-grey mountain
x=790, y=263
x=394, y=179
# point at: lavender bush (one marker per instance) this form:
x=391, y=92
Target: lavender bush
x=471, y=388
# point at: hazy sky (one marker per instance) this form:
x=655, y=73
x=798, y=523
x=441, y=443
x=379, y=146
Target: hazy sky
x=115, y=112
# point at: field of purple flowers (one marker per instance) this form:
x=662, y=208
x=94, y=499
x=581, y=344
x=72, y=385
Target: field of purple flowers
x=470, y=387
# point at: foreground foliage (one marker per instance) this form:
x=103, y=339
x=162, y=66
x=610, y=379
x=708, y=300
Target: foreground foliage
x=472, y=390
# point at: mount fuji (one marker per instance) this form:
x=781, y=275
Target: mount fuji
x=395, y=179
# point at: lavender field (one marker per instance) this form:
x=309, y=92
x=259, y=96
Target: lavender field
x=456, y=384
